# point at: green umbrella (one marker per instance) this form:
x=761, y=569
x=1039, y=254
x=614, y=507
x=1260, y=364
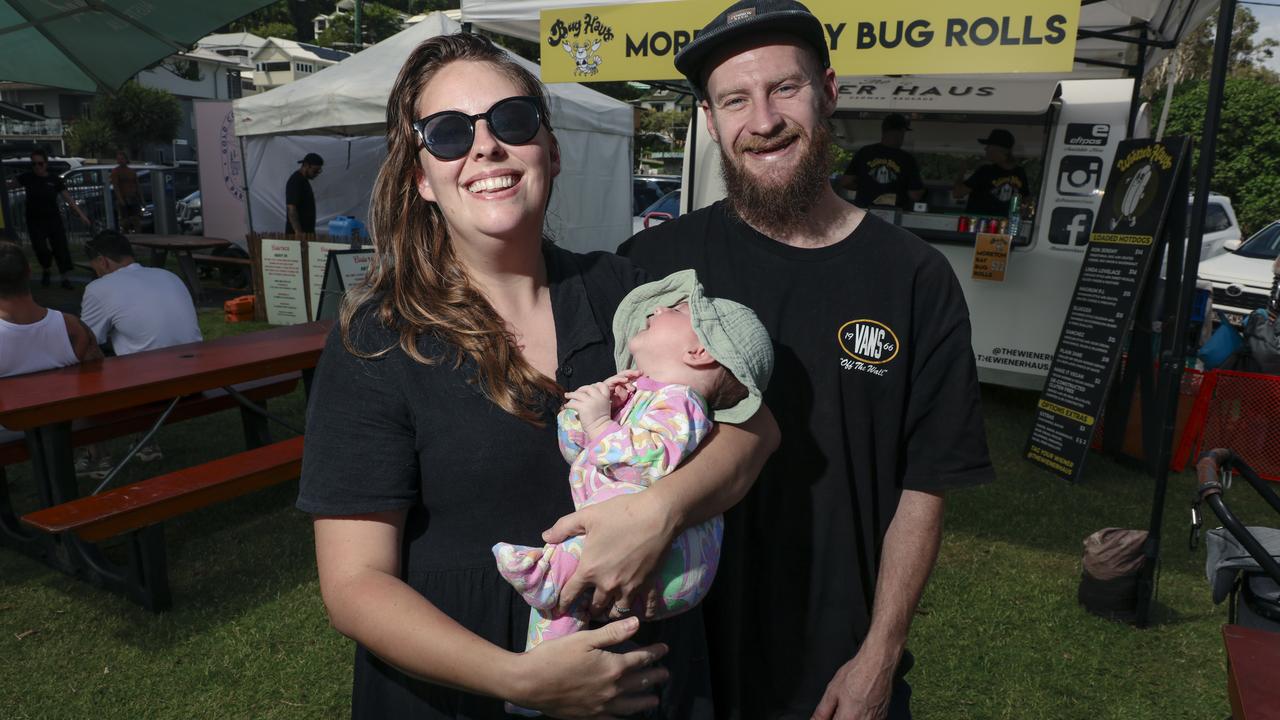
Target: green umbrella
x=93, y=45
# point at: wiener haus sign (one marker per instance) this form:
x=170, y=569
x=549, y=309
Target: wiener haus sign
x=936, y=37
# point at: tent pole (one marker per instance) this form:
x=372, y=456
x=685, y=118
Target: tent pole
x=1173, y=359
x=1138, y=72
x=248, y=204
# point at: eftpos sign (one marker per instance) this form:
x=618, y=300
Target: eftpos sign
x=935, y=37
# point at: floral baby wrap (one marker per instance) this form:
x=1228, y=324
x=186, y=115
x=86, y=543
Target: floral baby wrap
x=649, y=436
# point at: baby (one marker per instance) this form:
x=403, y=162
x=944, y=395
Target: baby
x=690, y=352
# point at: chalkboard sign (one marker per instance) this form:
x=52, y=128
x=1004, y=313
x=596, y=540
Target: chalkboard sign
x=344, y=269
x=1126, y=239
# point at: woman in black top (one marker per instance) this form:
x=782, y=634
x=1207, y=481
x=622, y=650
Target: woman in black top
x=431, y=433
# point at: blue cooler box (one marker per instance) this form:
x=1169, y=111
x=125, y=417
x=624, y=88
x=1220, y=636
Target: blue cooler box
x=347, y=227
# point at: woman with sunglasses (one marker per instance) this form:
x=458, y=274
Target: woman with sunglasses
x=431, y=432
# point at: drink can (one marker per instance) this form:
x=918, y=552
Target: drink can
x=1004, y=227
x=993, y=225
x=962, y=225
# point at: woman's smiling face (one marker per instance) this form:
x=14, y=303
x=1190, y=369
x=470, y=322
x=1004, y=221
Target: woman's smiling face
x=494, y=190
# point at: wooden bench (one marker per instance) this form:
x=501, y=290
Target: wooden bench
x=137, y=510
x=137, y=419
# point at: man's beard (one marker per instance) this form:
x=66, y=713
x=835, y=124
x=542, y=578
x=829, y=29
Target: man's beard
x=779, y=206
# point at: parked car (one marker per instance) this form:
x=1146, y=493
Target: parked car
x=190, y=219
x=86, y=185
x=666, y=208
x=1221, y=229
x=1242, y=278
x=648, y=189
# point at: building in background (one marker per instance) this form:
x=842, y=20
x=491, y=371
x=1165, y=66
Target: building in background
x=280, y=62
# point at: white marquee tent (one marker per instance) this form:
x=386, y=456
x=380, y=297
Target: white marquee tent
x=340, y=113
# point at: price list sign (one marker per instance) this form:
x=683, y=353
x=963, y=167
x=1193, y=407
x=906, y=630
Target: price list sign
x=1122, y=248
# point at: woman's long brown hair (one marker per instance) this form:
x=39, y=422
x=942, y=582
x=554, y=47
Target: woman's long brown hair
x=417, y=283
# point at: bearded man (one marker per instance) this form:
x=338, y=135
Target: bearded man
x=875, y=387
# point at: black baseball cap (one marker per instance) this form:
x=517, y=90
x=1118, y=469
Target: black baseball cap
x=312, y=159
x=895, y=121
x=999, y=138
x=747, y=17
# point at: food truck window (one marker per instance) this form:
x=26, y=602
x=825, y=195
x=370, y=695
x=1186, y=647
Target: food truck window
x=946, y=149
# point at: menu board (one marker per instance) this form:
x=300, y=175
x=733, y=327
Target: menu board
x=344, y=270
x=991, y=256
x=317, y=260
x=1114, y=275
x=283, y=286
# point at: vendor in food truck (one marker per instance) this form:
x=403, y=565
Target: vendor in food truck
x=991, y=186
x=883, y=173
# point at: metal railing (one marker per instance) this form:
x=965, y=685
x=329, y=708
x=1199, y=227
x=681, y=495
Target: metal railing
x=15, y=128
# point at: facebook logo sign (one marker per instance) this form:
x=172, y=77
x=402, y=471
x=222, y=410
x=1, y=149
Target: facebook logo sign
x=1070, y=225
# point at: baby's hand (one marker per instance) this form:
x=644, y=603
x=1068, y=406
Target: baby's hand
x=621, y=387
x=593, y=403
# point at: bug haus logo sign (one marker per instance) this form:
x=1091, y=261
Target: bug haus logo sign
x=868, y=345
x=581, y=39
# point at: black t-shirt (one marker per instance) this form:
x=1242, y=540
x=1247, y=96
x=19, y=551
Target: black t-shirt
x=880, y=170
x=875, y=390
x=991, y=187
x=42, y=196
x=297, y=192
x=393, y=434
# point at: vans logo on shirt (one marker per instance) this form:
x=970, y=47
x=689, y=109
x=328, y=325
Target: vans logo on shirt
x=868, y=344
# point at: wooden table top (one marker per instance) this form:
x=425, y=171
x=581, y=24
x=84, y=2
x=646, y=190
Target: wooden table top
x=177, y=242
x=1254, y=657
x=116, y=383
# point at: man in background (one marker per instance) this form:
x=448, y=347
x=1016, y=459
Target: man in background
x=135, y=308
x=299, y=200
x=44, y=221
x=992, y=186
x=32, y=337
x=124, y=185
x=883, y=173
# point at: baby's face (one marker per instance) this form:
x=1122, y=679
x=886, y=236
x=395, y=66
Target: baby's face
x=665, y=339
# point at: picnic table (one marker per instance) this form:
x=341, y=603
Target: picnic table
x=182, y=246
x=44, y=404
x=1253, y=657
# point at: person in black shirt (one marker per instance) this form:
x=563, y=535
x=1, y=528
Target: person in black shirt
x=992, y=186
x=875, y=387
x=431, y=428
x=883, y=173
x=299, y=200
x=44, y=221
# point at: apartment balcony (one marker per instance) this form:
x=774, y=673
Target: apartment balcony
x=30, y=129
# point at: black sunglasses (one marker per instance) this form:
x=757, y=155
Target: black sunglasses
x=448, y=135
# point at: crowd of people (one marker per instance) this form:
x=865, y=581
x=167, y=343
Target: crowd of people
x=761, y=403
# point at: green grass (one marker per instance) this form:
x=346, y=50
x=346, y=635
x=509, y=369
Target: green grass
x=999, y=634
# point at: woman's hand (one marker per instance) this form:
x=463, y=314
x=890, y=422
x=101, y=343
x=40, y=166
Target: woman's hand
x=626, y=537
x=576, y=677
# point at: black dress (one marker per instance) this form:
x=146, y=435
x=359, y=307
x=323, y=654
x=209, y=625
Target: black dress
x=393, y=434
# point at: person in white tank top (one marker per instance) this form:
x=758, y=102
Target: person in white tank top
x=35, y=338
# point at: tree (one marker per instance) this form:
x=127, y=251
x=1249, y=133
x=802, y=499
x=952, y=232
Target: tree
x=377, y=23
x=1247, y=164
x=276, y=29
x=294, y=13
x=91, y=137
x=137, y=115
x=1195, y=54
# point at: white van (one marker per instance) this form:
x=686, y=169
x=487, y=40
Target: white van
x=1066, y=134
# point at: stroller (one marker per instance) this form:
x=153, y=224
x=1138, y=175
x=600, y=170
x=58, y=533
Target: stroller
x=1242, y=561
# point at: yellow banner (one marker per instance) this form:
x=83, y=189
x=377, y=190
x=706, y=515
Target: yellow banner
x=915, y=37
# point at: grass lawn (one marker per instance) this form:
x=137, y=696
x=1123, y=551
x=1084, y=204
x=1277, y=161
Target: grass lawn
x=999, y=634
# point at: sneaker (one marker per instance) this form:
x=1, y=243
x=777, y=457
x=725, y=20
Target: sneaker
x=149, y=452
x=93, y=468
x=45, y=278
